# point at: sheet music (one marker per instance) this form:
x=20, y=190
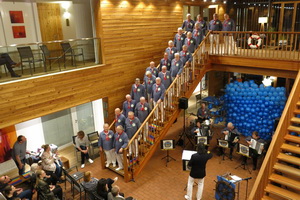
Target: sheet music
x=186, y=154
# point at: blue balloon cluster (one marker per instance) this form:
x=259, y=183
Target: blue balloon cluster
x=254, y=108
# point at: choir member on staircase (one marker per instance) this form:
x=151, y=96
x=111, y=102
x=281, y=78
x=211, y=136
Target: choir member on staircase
x=179, y=39
x=137, y=90
x=176, y=67
x=202, y=26
x=165, y=77
x=165, y=62
x=188, y=24
x=228, y=25
x=185, y=56
x=142, y=110
x=190, y=42
x=149, y=80
x=158, y=93
x=214, y=25
x=171, y=50
x=128, y=105
x=132, y=124
x=152, y=69
x=119, y=118
x=106, y=144
x=120, y=143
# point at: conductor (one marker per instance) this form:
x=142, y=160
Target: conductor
x=198, y=171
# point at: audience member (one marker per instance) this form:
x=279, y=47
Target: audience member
x=82, y=144
x=232, y=136
x=185, y=56
x=179, y=39
x=188, y=24
x=4, y=182
x=152, y=69
x=119, y=118
x=176, y=67
x=128, y=105
x=50, y=163
x=106, y=143
x=203, y=113
x=190, y=42
x=137, y=90
x=171, y=50
x=19, y=153
x=158, y=94
x=115, y=194
x=5, y=59
x=149, y=80
x=104, y=186
x=49, y=192
x=89, y=182
x=165, y=77
x=214, y=25
x=228, y=25
x=121, y=142
x=51, y=179
x=165, y=62
x=10, y=192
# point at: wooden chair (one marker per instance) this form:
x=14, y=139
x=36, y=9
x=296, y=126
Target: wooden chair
x=26, y=55
x=47, y=56
x=93, y=138
x=71, y=52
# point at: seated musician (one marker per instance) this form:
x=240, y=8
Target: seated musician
x=231, y=134
x=198, y=130
x=203, y=113
x=253, y=151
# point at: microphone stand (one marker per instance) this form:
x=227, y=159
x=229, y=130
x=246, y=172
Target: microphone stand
x=247, y=179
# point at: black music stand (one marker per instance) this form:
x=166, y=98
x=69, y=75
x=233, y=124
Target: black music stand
x=167, y=145
x=225, y=145
x=245, y=152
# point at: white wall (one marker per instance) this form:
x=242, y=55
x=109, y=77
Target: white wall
x=69, y=32
x=98, y=115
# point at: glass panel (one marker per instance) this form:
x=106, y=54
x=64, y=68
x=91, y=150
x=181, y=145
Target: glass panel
x=287, y=17
x=58, y=128
x=297, y=22
x=194, y=12
x=185, y=12
x=275, y=13
x=85, y=117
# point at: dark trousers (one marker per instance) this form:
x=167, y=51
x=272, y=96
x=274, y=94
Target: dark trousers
x=26, y=194
x=58, y=192
x=58, y=170
x=5, y=59
x=21, y=170
x=83, y=155
x=53, y=178
x=254, y=156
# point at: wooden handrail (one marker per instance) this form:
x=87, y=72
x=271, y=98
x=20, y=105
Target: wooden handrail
x=270, y=159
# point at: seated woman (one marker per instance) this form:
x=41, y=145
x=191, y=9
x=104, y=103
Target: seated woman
x=50, y=179
x=10, y=192
x=50, y=163
x=48, y=191
x=89, y=182
x=104, y=186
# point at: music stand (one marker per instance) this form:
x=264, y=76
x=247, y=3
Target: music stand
x=225, y=145
x=167, y=145
x=245, y=152
x=186, y=156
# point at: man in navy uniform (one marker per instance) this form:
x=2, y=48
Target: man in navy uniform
x=149, y=80
x=106, y=143
x=202, y=26
x=152, y=69
x=142, y=110
x=171, y=50
x=179, y=39
x=176, y=67
x=158, y=93
x=185, y=56
x=165, y=77
x=132, y=124
x=165, y=62
x=215, y=25
x=188, y=24
x=228, y=25
x=137, y=90
x=190, y=42
x=128, y=105
x=119, y=118
x=120, y=143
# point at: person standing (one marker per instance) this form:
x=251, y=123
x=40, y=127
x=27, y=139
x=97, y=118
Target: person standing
x=119, y=118
x=165, y=77
x=149, y=80
x=190, y=42
x=185, y=56
x=137, y=90
x=176, y=67
x=128, y=105
x=202, y=26
x=158, y=93
x=179, y=39
x=82, y=144
x=19, y=153
x=188, y=24
x=120, y=143
x=214, y=38
x=197, y=164
x=142, y=110
x=106, y=144
x=132, y=124
x=152, y=69
x=171, y=50
x=165, y=62
x=228, y=25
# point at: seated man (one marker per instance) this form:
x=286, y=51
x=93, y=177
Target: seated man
x=115, y=194
x=6, y=60
x=198, y=130
x=203, y=113
x=253, y=152
x=232, y=136
x=4, y=181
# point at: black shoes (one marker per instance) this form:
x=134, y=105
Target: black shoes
x=15, y=75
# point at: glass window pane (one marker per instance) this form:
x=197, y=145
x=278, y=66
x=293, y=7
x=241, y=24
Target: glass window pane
x=287, y=17
x=85, y=117
x=275, y=13
x=297, y=22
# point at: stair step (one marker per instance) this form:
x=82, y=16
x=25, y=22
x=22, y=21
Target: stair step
x=285, y=181
x=298, y=103
x=272, y=189
x=297, y=111
x=267, y=198
x=287, y=169
x=294, y=129
x=292, y=138
x=289, y=159
x=290, y=148
x=295, y=120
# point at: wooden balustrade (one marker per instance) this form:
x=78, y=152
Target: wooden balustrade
x=266, y=169
x=274, y=45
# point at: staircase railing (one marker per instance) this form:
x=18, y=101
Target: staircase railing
x=270, y=45
x=266, y=169
x=156, y=125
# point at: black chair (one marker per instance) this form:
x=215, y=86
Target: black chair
x=4, y=66
x=75, y=148
x=93, y=138
x=73, y=179
x=91, y=195
x=26, y=55
x=71, y=52
x=47, y=56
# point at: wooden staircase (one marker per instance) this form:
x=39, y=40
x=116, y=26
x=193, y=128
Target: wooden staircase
x=279, y=176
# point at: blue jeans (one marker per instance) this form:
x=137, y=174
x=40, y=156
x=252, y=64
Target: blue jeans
x=58, y=170
x=27, y=194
